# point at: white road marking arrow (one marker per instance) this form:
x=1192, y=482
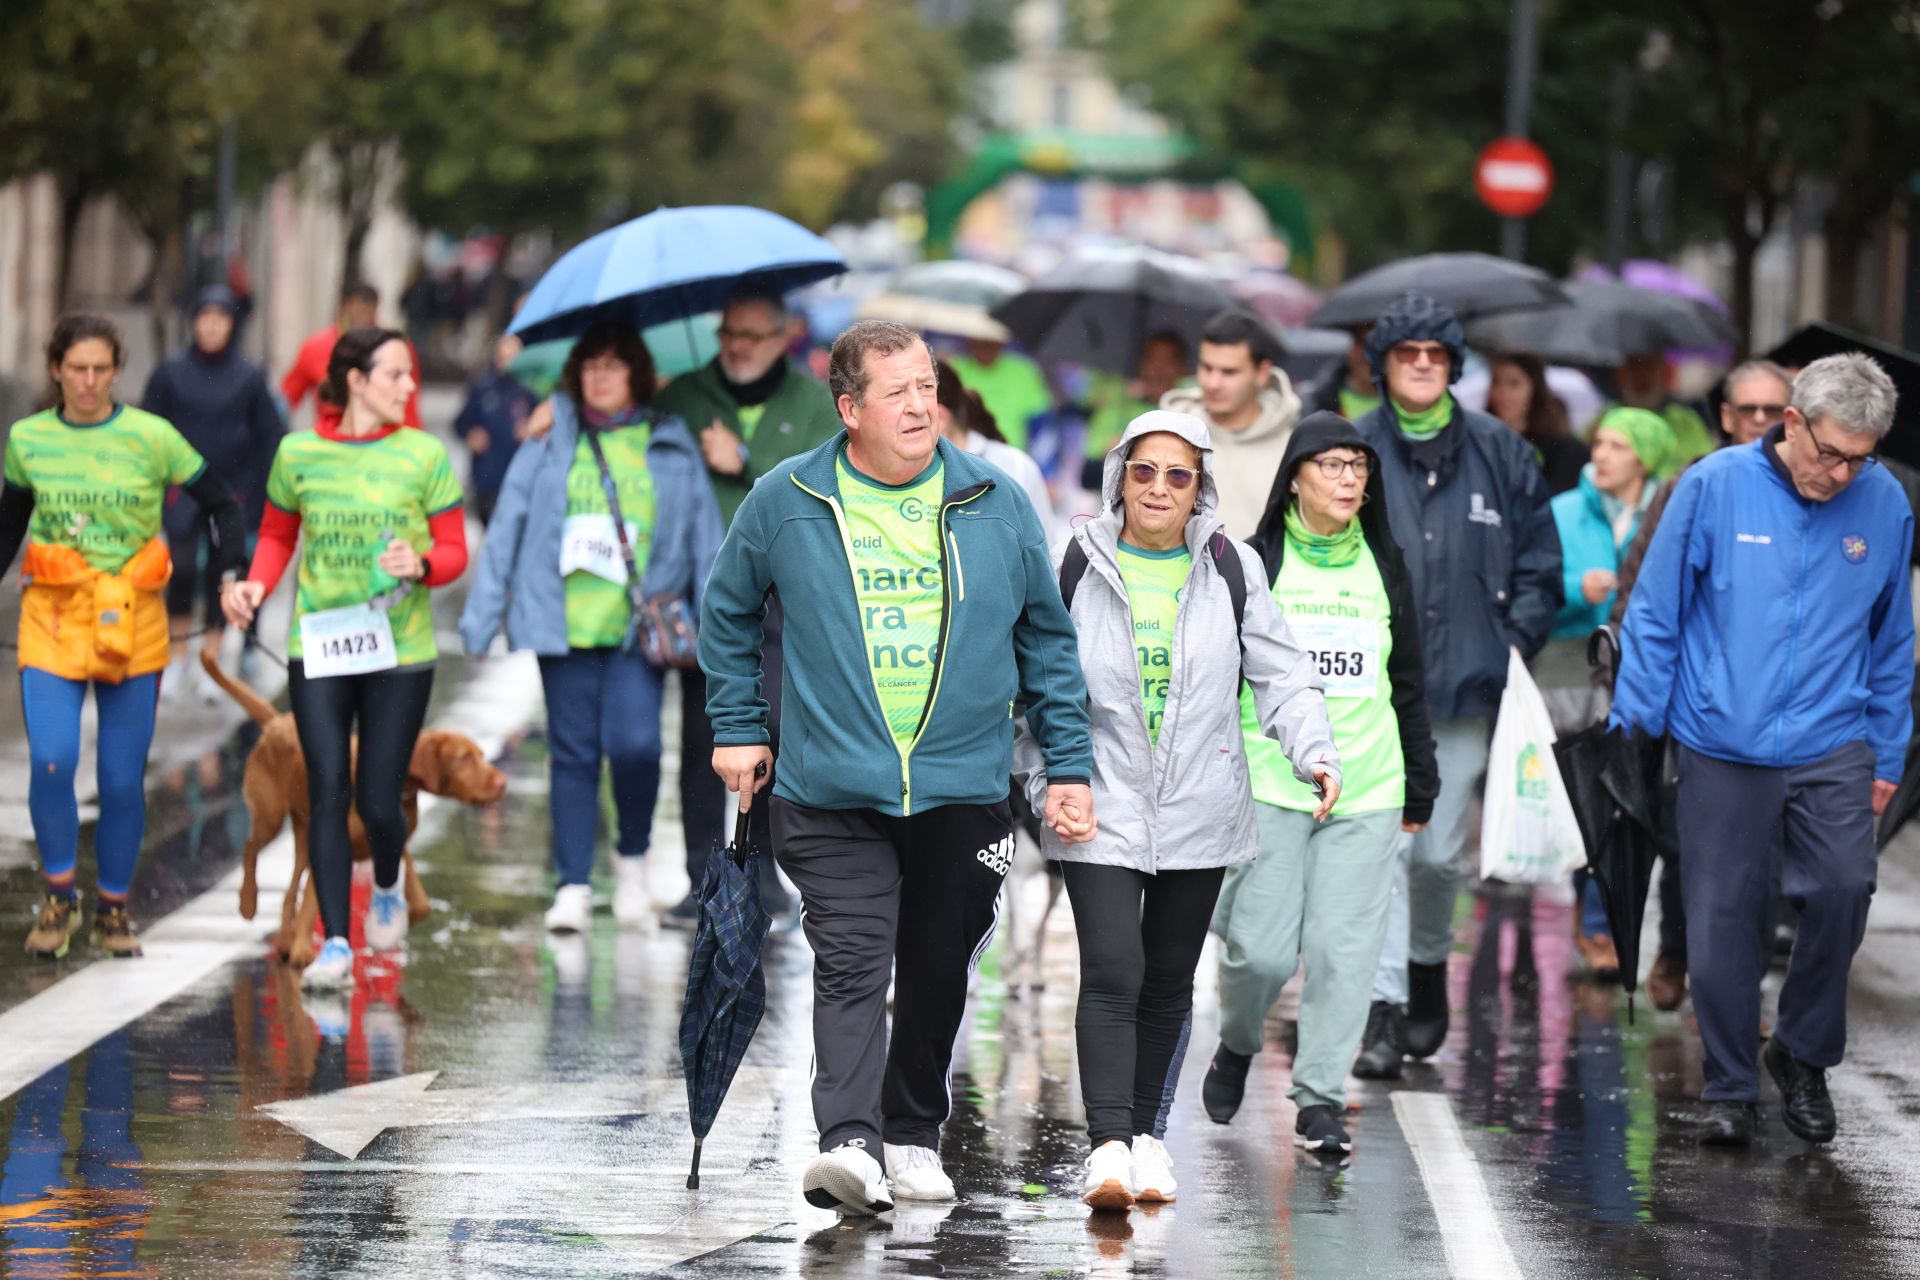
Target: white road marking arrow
x=346, y=1120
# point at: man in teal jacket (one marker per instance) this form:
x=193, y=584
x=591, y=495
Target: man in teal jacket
x=752, y=409
x=921, y=607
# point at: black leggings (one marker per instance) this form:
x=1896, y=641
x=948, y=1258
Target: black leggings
x=1140, y=940
x=390, y=707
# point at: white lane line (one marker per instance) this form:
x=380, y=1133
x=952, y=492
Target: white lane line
x=207, y=933
x=1468, y=1228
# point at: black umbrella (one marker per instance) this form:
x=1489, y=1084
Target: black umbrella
x=726, y=988
x=1806, y=345
x=1470, y=284
x=1607, y=323
x=1098, y=307
x=1613, y=781
x=1906, y=800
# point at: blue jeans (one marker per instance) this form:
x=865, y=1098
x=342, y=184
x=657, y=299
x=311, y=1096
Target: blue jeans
x=52, y=706
x=1593, y=908
x=602, y=704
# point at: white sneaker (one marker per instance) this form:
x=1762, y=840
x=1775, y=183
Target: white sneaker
x=630, y=904
x=1110, y=1177
x=1152, y=1170
x=847, y=1180
x=386, y=922
x=916, y=1174
x=333, y=967
x=572, y=909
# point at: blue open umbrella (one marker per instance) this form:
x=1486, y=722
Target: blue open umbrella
x=672, y=264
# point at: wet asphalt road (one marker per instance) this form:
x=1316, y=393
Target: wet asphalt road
x=525, y=1115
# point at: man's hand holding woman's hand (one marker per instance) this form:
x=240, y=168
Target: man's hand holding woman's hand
x=1070, y=812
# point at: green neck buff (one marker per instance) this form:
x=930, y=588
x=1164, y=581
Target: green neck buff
x=1429, y=422
x=1323, y=550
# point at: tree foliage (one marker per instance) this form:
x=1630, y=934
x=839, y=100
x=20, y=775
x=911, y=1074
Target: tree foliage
x=1376, y=111
x=507, y=115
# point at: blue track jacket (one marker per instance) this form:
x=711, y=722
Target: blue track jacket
x=1770, y=630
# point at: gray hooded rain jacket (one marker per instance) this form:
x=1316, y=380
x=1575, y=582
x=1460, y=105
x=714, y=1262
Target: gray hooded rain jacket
x=1187, y=803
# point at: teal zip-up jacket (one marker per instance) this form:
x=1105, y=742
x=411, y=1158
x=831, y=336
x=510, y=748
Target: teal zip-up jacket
x=1005, y=638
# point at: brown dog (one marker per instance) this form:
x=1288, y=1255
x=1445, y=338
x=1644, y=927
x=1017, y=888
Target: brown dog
x=275, y=789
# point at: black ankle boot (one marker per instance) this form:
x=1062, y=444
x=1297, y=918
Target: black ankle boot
x=1384, y=1043
x=1226, y=1084
x=1426, y=1009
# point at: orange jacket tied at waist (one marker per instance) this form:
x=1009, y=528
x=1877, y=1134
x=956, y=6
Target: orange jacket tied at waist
x=81, y=624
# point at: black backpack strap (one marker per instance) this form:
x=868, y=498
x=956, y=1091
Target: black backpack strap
x=1073, y=567
x=1227, y=561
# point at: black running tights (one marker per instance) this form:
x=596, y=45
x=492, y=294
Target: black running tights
x=390, y=707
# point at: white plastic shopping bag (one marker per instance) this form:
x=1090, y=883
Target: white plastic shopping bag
x=1528, y=834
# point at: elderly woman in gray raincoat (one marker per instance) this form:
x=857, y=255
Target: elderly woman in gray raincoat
x=1168, y=626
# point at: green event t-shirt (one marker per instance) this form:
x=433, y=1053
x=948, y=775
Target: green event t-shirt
x=1012, y=388
x=749, y=415
x=348, y=493
x=1354, y=405
x=99, y=489
x=1154, y=581
x=1340, y=616
x=1114, y=407
x=598, y=608
x=894, y=532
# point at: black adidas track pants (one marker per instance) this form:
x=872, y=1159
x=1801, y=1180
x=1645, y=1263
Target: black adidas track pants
x=914, y=899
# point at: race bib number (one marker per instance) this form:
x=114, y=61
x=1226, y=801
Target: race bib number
x=1345, y=651
x=589, y=544
x=347, y=642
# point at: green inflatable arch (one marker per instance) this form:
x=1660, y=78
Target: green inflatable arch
x=1116, y=158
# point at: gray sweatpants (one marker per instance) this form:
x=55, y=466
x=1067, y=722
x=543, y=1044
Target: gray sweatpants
x=1420, y=919
x=1317, y=893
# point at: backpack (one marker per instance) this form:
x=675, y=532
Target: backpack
x=1073, y=566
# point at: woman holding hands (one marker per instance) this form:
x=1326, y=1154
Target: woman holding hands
x=1167, y=629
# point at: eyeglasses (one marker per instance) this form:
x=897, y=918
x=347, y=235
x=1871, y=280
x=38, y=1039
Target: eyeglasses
x=1855, y=463
x=1146, y=473
x=1759, y=412
x=749, y=335
x=1334, y=468
x=1412, y=353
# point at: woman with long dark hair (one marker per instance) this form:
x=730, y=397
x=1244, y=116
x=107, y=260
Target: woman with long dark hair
x=86, y=481
x=1518, y=395
x=380, y=511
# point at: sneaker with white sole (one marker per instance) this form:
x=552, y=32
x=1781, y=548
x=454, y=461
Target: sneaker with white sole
x=572, y=909
x=1109, y=1182
x=630, y=904
x=333, y=967
x=1152, y=1171
x=847, y=1180
x=916, y=1174
x=386, y=922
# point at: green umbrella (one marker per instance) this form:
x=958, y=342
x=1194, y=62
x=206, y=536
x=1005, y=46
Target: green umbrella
x=678, y=346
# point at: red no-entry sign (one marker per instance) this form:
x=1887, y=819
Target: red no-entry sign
x=1514, y=177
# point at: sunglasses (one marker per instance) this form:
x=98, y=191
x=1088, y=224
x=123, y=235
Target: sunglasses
x=1412, y=353
x=1762, y=412
x=1177, y=477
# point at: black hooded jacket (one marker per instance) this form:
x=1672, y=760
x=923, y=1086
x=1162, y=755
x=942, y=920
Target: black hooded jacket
x=1406, y=672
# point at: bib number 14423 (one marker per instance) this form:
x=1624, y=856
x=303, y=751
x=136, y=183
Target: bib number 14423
x=347, y=642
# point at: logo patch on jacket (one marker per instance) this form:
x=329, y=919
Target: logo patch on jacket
x=998, y=857
x=1480, y=513
x=1853, y=547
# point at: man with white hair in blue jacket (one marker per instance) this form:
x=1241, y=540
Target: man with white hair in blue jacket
x=1771, y=635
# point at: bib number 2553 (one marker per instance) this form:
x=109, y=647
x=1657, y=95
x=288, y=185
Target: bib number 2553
x=346, y=642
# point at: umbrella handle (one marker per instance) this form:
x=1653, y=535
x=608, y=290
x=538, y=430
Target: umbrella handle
x=740, y=820
x=693, y=1174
